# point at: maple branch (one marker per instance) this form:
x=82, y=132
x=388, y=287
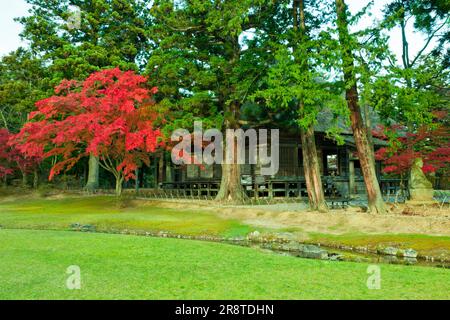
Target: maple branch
x=108, y=166
x=104, y=166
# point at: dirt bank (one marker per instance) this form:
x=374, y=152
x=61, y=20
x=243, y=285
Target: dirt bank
x=402, y=219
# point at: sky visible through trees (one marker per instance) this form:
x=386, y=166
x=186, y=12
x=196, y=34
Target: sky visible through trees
x=10, y=39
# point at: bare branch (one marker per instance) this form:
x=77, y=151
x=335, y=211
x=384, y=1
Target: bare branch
x=429, y=40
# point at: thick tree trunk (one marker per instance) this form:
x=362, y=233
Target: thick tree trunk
x=230, y=186
x=119, y=182
x=365, y=151
x=368, y=124
x=93, y=174
x=312, y=171
x=365, y=154
x=35, y=178
x=24, y=178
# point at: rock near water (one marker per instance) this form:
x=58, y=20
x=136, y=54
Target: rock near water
x=389, y=251
x=254, y=236
x=410, y=253
x=314, y=252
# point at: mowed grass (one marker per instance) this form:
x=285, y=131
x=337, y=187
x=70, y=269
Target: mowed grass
x=34, y=265
x=109, y=214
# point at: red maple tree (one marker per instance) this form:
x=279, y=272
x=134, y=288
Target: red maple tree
x=111, y=115
x=5, y=153
x=13, y=158
x=429, y=142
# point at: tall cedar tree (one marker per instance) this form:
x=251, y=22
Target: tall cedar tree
x=204, y=67
x=298, y=81
x=292, y=84
x=365, y=151
x=310, y=158
x=23, y=81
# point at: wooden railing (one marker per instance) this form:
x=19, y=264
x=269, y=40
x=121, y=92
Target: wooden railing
x=391, y=187
x=271, y=188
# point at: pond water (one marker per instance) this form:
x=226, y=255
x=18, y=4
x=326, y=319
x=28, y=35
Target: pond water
x=332, y=254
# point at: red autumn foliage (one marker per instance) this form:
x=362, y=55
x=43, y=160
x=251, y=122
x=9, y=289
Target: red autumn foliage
x=24, y=162
x=5, y=153
x=111, y=115
x=431, y=143
x=12, y=156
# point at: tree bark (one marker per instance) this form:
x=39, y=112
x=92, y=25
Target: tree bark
x=136, y=181
x=312, y=171
x=310, y=159
x=119, y=182
x=93, y=174
x=24, y=178
x=230, y=186
x=365, y=152
x=35, y=178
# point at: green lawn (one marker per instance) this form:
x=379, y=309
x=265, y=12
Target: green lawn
x=108, y=214
x=34, y=263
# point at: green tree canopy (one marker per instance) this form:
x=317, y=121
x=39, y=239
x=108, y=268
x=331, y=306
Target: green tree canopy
x=23, y=81
x=79, y=37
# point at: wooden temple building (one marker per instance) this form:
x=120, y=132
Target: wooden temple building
x=341, y=173
x=340, y=169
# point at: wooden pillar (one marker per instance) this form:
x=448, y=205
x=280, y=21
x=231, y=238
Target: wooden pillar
x=161, y=169
x=270, y=189
x=351, y=177
x=169, y=172
x=136, y=181
x=320, y=156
